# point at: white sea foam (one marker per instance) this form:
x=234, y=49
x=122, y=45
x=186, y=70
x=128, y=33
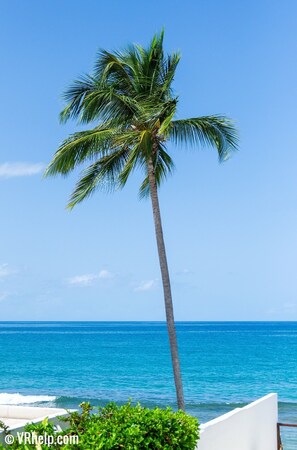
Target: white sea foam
x=19, y=399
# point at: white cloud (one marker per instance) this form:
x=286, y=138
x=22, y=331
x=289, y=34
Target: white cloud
x=89, y=278
x=82, y=280
x=20, y=169
x=105, y=274
x=6, y=271
x=146, y=285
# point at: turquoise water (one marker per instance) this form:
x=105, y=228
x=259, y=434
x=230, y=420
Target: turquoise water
x=224, y=364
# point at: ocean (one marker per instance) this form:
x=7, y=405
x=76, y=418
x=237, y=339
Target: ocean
x=224, y=365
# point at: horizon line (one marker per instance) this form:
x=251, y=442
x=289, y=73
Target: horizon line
x=147, y=321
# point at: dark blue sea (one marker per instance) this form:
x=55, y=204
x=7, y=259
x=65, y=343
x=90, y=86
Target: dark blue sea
x=224, y=365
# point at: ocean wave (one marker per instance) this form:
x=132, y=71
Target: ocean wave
x=75, y=400
x=19, y=399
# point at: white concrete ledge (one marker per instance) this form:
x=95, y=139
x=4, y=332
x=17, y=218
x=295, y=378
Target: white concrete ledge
x=252, y=427
x=28, y=412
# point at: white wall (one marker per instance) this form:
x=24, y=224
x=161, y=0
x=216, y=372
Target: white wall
x=250, y=428
x=29, y=412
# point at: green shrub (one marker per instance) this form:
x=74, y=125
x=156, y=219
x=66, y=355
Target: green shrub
x=124, y=427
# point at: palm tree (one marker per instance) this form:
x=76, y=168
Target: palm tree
x=129, y=100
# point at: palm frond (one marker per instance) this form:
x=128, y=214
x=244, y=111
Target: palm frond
x=168, y=72
x=163, y=164
x=112, y=68
x=107, y=105
x=81, y=146
x=103, y=174
x=217, y=131
x=163, y=167
x=75, y=95
x=144, y=190
x=137, y=155
x=155, y=61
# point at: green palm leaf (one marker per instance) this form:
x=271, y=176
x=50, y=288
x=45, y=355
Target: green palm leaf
x=75, y=95
x=103, y=174
x=81, y=146
x=214, y=131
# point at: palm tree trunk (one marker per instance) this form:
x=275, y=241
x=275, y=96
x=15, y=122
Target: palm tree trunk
x=166, y=287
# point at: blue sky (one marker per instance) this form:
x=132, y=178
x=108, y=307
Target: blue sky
x=230, y=229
